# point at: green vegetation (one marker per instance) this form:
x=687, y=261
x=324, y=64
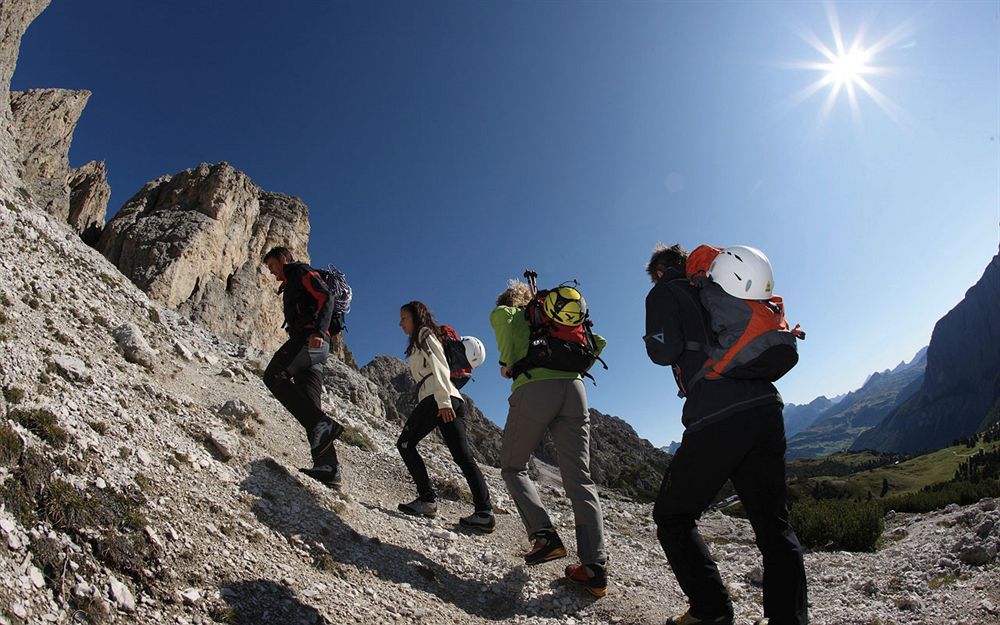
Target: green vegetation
x=13, y=395
x=846, y=525
x=10, y=446
x=43, y=424
x=357, y=438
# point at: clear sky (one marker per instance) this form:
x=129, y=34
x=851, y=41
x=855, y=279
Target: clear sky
x=443, y=147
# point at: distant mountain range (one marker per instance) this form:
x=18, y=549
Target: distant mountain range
x=671, y=448
x=960, y=393
x=822, y=426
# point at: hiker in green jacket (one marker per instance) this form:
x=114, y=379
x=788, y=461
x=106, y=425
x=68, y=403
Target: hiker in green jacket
x=550, y=400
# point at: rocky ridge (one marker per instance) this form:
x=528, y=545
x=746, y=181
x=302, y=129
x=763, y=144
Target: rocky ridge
x=960, y=394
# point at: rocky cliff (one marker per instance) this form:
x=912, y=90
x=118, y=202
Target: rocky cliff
x=194, y=242
x=961, y=389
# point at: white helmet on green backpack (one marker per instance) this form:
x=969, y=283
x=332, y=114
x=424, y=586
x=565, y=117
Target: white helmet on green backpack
x=743, y=272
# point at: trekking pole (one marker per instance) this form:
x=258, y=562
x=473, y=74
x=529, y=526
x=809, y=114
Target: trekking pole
x=532, y=278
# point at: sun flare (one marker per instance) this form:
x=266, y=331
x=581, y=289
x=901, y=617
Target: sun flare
x=850, y=69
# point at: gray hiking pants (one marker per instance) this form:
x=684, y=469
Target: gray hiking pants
x=559, y=406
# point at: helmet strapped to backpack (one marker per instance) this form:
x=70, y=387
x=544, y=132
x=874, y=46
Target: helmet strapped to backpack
x=565, y=305
x=743, y=272
x=750, y=337
x=561, y=335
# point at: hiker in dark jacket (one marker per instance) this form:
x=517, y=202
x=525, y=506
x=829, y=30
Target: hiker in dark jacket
x=734, y=430
x=295, y=373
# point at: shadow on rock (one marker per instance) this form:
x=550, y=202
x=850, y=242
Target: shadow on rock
x=289, y=508
x=264, y=602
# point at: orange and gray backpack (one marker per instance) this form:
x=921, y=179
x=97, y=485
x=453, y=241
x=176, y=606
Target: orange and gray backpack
x=749, y=339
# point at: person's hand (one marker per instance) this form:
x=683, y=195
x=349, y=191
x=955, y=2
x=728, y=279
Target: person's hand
x=505, y=372
x=447, y=415
x=315, y=341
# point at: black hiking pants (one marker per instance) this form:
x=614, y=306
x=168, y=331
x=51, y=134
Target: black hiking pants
x=749, y=449
x=422, y=422
x=295, y=378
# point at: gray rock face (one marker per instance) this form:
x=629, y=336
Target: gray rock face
x=960, y=393
x=194, y=242
x=88, y=200
x=44, y=120
x=15, y=16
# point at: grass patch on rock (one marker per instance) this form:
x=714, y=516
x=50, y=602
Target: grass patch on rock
x=357, y=438
x=42, y=423
x=10, y=446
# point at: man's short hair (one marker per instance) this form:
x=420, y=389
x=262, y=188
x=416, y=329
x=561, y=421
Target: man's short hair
x=664, y=258
x=281, y=253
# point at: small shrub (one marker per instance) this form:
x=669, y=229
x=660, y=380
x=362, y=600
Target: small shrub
x=99, y=426
x=92, y=609
x=25, y=195
x=839, y=524
x=43, y=424
x=357, y=438
x=452, y=489
x=13, y=395
x=10, y=446
x=3, y=317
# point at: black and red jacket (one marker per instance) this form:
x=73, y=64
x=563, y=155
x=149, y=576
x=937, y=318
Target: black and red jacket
x=306, y=299
x=676, y=325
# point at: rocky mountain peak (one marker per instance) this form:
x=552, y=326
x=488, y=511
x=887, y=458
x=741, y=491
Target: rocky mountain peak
x=194, y=242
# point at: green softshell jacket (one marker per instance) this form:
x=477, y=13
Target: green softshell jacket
x=512, y=331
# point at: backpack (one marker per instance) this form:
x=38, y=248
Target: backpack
x=750, y=339
x=340, y=292
x=554, y=345
x=454, y=353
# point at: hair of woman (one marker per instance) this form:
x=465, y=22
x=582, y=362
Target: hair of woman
x=422, y=318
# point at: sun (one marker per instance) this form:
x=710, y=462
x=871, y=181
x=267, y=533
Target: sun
x=849, y=69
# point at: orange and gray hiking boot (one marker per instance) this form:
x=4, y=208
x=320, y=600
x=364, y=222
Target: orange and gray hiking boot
x=593, y=577
x=689, y=619
x=546, y=547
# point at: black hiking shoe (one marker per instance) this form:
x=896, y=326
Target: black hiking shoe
x=326, y=475
x=689, y=619
x=483, y=522
x=419, y=507
x=322, y=436
x=546, y=547
x=593, y=577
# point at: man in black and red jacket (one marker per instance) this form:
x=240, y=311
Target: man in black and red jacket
x=733, y=430
x=295, y=373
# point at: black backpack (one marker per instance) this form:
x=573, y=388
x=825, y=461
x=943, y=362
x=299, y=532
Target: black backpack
x=340, y=293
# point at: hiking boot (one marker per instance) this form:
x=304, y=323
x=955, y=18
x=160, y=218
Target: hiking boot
x=322, y=436
x=547, y=546
x=483, y=522
x=419, y=507
x=593, y=577
x=762, y=621
x=689, y=619
x=326, y=474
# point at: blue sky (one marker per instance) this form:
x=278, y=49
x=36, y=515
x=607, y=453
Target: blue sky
x=444, y=147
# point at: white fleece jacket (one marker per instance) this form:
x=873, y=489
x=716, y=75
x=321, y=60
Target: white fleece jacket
x=428, y=363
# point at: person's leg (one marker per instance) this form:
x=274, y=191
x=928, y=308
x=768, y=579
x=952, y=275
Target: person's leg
x=702, y=464
x=571, y=436
x=760, y=483
x=295, y=362
x=456, y=439
x=532, y=407
x=419, y=424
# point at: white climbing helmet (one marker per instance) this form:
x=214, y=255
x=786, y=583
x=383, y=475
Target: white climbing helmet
x=475, y=351
x=743, y=272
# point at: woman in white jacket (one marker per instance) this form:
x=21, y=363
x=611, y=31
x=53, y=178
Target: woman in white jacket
x=441, y=406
